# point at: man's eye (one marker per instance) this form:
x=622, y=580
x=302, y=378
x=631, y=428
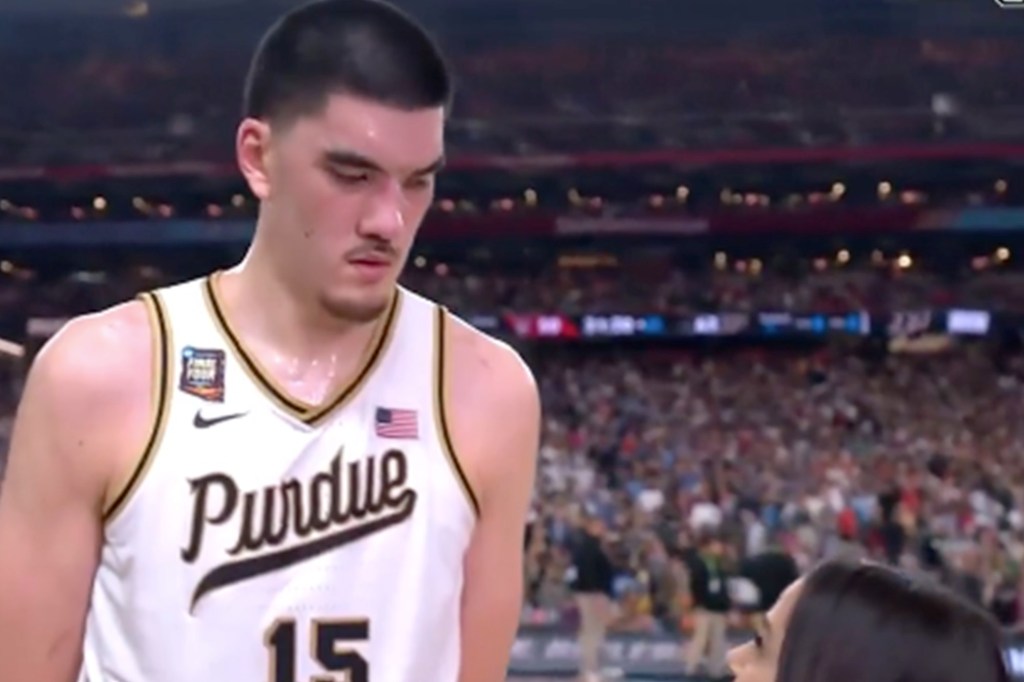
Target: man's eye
x=419, y=183
x=350, y=178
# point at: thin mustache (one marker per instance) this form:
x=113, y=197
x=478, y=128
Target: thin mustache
x=380, y=250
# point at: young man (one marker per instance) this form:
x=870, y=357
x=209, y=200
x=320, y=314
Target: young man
x=294, y=470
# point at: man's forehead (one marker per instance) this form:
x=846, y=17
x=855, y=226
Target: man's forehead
x=392, y=139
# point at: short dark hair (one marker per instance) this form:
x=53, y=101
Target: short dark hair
x=870, y=623
x=363, y=48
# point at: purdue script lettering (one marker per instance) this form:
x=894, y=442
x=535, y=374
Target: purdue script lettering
x=336, y=507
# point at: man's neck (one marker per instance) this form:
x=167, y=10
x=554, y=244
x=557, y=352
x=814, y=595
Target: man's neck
x=259, y=304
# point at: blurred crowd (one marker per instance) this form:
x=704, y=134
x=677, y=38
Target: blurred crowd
x=156, y=94
x=739, y=286
x=913, y=460
x=643, y=287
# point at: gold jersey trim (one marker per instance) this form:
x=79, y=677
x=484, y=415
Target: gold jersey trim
x=160, y=332
x=440, y=408
x=301, y=410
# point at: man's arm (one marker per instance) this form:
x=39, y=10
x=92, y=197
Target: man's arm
x=495, y=422
x=74, y=421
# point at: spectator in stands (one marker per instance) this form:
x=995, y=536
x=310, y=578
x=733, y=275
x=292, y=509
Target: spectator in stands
x=860, y=622
x=710, y=572
x=593, y=588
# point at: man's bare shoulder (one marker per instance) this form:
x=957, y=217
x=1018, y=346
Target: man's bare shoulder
x=494, y=412
x=481, y=361
x=86, y=411
x=98, y=361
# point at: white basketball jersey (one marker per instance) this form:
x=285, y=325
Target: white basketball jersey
x=266, y=540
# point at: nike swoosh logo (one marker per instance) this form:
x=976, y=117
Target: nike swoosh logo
x=201, y=422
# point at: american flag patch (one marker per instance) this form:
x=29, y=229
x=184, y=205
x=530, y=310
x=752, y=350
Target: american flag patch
x=397, y=424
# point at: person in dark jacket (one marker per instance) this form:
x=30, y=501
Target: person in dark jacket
x=709, y=588
x=593, y=588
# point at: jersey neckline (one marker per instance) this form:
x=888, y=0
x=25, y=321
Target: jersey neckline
x=305, y=412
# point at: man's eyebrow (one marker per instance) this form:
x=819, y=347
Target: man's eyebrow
x=350, y=159
x=432, y=168
x=342, y=157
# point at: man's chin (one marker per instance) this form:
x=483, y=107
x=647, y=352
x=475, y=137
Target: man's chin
x=360, y=307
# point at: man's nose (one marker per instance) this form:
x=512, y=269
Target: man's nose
x=385, y=213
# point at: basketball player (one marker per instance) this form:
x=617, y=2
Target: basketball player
x=294, y=470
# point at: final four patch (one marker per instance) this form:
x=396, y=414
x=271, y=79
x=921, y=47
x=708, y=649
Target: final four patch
x=202, y=373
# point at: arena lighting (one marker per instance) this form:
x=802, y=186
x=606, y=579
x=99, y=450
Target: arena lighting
x=136, y=9
x=11, y=348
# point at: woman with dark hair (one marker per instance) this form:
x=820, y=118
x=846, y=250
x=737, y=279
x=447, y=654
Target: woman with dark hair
x=869, y=623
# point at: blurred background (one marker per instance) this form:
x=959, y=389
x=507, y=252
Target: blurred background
x=764, y=258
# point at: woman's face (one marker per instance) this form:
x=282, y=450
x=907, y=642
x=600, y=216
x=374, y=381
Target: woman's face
x=758, y=660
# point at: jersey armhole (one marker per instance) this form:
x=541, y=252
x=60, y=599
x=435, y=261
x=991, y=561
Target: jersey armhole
x=440, y=407
x=160, y=332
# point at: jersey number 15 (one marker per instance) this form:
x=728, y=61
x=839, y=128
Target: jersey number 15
x=328, y=640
